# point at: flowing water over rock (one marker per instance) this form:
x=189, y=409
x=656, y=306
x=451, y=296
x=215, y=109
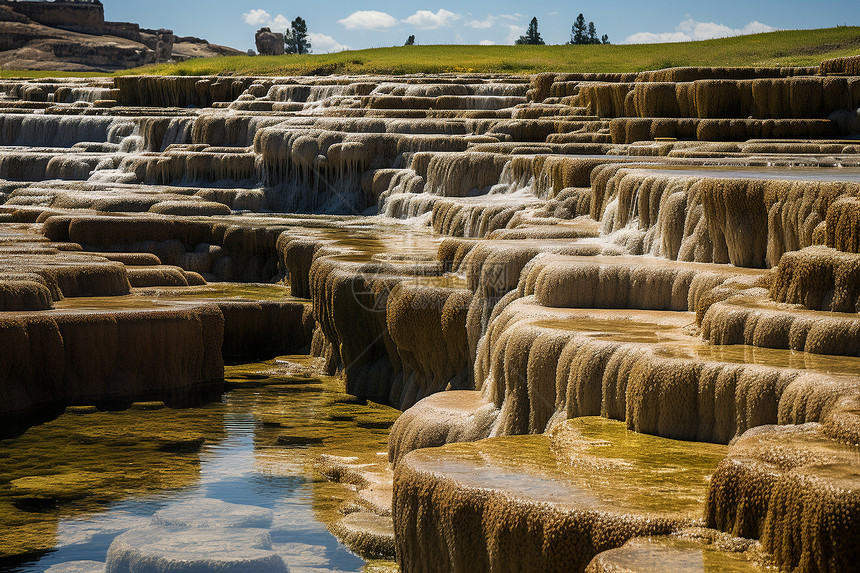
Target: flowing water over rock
x=577, y=289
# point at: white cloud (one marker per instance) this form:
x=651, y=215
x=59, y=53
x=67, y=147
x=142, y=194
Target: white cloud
x=493, y=19
x=324, y=43
x=690, y=30
x=514, y=32
x=652, y=38
x=427, y=20
x=256, y=18
x=483, y=24
x=280, y=23
x=260, y=18
x=487, y=43
x=368, y=20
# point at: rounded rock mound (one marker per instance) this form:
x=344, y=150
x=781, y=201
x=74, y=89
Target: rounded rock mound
x=544, y=502
x=679, y=555
x=162, y=549
x=213, y=513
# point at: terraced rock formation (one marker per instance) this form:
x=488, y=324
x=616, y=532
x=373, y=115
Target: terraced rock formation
x=566, y=282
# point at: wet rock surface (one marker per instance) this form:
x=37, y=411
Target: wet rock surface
x=578, y=288
x=368, y=534
x=694, y=551
x=579, y=490
x=213, y=513
x=78, y=567
x=795, y=488
x=174, y=549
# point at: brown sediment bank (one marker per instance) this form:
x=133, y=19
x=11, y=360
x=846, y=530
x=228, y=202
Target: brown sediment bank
x=673, y=252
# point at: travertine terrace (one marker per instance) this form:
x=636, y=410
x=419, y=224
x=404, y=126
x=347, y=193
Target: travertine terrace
x=618, y=311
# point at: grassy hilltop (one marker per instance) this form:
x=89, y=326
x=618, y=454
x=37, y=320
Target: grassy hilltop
x=782, y=48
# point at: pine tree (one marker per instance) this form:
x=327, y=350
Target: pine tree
x=296, y=37
x=410, y=41
x=578, y=33
x=592, y=34
x=582, y=33
x=532, y=36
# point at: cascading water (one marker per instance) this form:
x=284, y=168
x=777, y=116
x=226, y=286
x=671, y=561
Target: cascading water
x=607, y=260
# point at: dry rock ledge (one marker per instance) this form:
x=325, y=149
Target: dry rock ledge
x=618, y=311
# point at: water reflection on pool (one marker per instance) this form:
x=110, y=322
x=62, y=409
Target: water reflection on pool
x=147, y=462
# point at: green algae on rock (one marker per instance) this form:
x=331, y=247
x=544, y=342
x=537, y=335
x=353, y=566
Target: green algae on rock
x=796, y=489
x=547, y=502
x=76, y=465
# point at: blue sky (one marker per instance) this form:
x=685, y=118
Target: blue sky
x=337, y=24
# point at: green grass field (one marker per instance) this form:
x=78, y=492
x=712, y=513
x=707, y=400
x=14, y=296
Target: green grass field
x=783, y=48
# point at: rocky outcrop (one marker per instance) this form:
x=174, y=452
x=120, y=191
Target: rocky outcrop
x=269, y=43
x=164, y=45
x=36, y=46
x=84, y=17
x=73, y=36
x=189, y=47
